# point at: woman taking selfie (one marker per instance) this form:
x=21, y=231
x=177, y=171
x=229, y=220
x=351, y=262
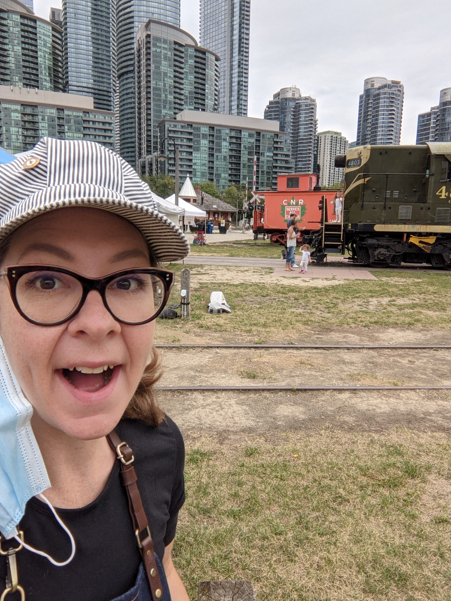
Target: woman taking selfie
x=91, y=470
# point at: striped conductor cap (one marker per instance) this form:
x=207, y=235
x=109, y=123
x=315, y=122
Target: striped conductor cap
x=67, y=173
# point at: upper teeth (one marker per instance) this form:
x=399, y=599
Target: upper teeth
x=92, y=370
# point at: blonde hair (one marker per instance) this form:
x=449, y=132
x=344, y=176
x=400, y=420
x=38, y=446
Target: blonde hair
x=305, y=247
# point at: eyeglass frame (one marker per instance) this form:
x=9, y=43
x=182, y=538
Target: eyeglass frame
x=15, y=272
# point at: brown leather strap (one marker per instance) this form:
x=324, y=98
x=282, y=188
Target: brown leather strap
x=140, y=524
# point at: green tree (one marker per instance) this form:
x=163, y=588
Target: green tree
x=336, y=186
x=210, y=188
x=162, y=185
x=231, y=195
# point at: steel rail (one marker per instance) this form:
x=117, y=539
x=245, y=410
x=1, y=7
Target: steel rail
x=311, y=346
x=299, y=388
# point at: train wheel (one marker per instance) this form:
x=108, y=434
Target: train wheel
x=438, y=261
x=396, y=261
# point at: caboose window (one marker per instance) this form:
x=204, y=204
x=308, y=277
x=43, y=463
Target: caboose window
x=292, y=182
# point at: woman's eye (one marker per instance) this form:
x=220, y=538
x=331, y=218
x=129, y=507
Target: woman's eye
x=128, y=284
x=44, y=282
x=47, y=283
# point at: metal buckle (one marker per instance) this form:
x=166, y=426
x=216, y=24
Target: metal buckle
x=121, y=456
x=12, y=576
x=11, y=551
x=138, y=539
x=10, y=590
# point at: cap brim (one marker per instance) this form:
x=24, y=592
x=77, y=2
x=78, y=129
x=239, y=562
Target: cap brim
x=166, y=240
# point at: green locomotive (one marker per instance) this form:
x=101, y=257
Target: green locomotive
x=397, y=206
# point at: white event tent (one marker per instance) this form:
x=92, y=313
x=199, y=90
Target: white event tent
x=190, y=210
x=169, y=209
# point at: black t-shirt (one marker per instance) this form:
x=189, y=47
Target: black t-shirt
x=107, y=557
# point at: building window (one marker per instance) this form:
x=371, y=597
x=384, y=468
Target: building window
x=292, y=182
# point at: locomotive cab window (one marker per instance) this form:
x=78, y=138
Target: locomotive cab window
x=292, y=182
x=445, y=171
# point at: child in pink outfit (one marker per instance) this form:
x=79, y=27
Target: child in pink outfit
x=305, y=259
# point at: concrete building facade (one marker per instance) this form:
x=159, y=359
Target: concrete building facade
x=380, y=112
x=131, y=14
x=224, y=149
x=330, y=143
x=296, y=115
x=56, y=16
x=435, y=125
x=225, y=30
x=89, y=49
x=173, y=73
x=27, y=115
x=31, y=49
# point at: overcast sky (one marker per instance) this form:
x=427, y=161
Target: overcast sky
x=329, y=47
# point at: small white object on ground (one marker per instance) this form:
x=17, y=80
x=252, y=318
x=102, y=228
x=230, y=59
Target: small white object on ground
x=218, y=303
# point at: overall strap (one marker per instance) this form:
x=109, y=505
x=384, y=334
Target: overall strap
x=140, y=524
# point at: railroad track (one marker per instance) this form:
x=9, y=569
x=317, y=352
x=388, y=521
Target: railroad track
x=311, y=346
x=304, y=388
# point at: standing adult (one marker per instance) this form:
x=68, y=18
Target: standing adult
x=91, y=469
x=289, y=224
x=339, y=208
x=291, y=244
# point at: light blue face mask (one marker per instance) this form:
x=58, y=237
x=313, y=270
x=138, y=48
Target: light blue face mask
x=23, y=474
x=22, y=470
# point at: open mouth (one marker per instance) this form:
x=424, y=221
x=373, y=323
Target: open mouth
x=87, y=378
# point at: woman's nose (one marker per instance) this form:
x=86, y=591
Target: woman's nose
x=94, y=319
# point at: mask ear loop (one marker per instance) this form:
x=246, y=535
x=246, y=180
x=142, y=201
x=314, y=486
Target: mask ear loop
x=59, y=564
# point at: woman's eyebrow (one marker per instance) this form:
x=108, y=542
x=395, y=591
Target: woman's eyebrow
x=129, y=254
x=49, y=248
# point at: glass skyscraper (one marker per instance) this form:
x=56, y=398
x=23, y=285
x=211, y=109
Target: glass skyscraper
x=296, y=115
x=224, y=29
x=223, y=148
x=173, y=73
x=131, y=14
x=435, y=125
x=30, y=49
x=380, y=112
x=28, y=115
x=29, y=4
x=89, y=50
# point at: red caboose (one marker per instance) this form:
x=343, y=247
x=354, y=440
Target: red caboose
x=296, y=193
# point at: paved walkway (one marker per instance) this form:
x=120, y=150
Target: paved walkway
x=231, y=236
x=337, y=270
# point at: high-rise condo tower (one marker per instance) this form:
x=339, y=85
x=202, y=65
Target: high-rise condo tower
x=224, y=29
x=380, y=112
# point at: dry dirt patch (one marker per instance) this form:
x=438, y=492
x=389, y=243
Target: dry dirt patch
x=234, y=275
x=436, y=499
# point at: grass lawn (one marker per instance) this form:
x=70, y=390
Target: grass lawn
x=276, y=312
x=323, y=516
x=258, y=249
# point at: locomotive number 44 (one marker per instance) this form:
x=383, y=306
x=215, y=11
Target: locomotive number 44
x=443, y=193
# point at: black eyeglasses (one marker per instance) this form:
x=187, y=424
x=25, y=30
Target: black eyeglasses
x=50, y=296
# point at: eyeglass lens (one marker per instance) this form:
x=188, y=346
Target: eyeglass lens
x=50, y=296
